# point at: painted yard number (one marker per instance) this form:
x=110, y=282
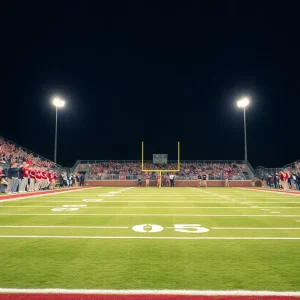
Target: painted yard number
x=187, y=228
x=68, y=207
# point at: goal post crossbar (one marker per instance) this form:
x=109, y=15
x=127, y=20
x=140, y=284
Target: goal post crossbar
x=161, y=171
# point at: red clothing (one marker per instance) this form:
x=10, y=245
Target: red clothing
x=55, y=176
x=32, y=174
x=49, y=175
x=25, y=172
x=44, y=175
x=147, y=176
x=38, y=175
x=1, y=173
x=286, y=176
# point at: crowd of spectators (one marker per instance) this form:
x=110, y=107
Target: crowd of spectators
x=24, y=178
x=285, y=179
x=114, y=170
x=10, y=154
x=22, y=171
x=21, y=178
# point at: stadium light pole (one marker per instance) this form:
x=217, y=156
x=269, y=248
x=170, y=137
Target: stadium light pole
x=58, y=103
x=243, y=103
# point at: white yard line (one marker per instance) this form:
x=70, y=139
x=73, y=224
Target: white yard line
x=78, y=227
x=273, y=192
x=154, y=201
x=122, y=207
x=145, y=215
x=149, y=292
x=213, y=194
x=43, y=195
x=146, y=237
x=254, y=228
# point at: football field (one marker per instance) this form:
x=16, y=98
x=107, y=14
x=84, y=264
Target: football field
x=152, y=238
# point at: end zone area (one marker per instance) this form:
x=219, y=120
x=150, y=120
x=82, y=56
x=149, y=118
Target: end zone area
x=215, y=239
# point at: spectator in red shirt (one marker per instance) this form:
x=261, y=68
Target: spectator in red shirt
x=37, y=179
x=32, y=178
x=24, y=182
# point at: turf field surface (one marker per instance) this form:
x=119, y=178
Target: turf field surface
x=152, y=238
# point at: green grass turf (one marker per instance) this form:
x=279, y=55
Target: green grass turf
x=152, y=263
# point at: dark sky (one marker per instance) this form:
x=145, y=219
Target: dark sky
x=153, y=71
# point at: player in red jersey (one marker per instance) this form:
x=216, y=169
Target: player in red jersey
x=24, y=182
x=43, y=178
x=54, y=180
x=32, y=178
x=38, y=176
x=147, y=180
x=49, y=176
x=226, y=180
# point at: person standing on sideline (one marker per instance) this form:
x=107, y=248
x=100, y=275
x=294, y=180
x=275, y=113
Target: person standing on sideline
x=199, y=180
x=38, y=177
x=147, y=180
x=20, y=178
x=172, y=180
x=275, y=180
x=158, y=184
x=226, y=180
x=32, y=178
x=204, y=177
x=139, y=181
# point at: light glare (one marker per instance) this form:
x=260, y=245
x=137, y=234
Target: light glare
x=243, y=102
x=58, y=102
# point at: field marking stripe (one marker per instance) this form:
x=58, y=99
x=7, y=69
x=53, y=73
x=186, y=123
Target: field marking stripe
x=255, y=228
x=214, y=194
x=143, y=207
x=219, y=202
x=147, y=237
x=54, y=226
x=46, y=194
x=149, y=292
x=145, y=215
x=273, y=192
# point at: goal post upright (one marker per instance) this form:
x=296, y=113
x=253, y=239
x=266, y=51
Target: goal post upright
x=161, y=171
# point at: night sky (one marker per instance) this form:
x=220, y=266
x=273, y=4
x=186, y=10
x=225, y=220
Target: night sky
x=153, y=71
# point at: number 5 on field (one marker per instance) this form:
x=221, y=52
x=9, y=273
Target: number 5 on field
x=190, y=228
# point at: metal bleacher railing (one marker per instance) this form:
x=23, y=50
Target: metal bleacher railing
x=244, y=171
x=262, y=171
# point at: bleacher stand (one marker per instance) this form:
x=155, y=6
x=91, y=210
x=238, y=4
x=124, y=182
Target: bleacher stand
x=22, y=170
x=188, y=170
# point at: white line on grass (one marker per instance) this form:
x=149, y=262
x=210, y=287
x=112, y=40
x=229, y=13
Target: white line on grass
x=80, y=227
x=213, y=194
x=146, y=237
x=145, y=215
x=46, y=194
x=273, y=192
x=143, y=207
x=253, y=228
x=149, y=292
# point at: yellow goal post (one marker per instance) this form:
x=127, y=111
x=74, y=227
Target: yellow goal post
x=161, y=171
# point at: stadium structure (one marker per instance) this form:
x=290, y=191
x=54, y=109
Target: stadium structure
x=111, y=239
